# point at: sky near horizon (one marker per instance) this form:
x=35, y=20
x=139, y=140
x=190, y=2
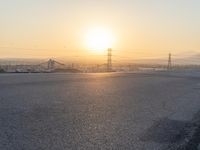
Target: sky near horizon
x=57, y=28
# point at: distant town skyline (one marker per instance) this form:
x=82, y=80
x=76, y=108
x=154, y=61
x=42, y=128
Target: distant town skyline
x=58, y=28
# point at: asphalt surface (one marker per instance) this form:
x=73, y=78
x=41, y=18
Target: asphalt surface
x=96, y=111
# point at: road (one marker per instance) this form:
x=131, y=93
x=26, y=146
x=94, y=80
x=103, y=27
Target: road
x=96, y=111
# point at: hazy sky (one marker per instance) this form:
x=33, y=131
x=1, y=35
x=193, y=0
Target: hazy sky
x=57, y=28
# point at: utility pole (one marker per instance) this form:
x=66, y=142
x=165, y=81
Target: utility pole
x=109, y=60
x=169, y=66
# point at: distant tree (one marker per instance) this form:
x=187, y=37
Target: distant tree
x=2, y=71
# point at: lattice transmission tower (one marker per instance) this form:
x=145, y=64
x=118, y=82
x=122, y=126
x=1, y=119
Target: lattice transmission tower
x=169, y=66
x=109, y=60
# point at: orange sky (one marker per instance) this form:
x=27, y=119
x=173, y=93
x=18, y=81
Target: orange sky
x=57, y=28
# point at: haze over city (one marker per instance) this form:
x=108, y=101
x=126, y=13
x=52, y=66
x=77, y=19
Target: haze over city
x=83, y=30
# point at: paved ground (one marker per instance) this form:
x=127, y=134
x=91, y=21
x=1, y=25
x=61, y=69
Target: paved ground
x=96, y=111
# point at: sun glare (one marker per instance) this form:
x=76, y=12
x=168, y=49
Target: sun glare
x=98, y=39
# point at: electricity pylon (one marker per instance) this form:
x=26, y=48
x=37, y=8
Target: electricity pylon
x=109, y=60
x=169, y=66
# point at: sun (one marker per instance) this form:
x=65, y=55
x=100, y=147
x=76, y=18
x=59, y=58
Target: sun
x=99, y=39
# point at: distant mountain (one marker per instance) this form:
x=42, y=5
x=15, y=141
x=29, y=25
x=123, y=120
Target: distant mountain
x=176, y=59
x=187, y=60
